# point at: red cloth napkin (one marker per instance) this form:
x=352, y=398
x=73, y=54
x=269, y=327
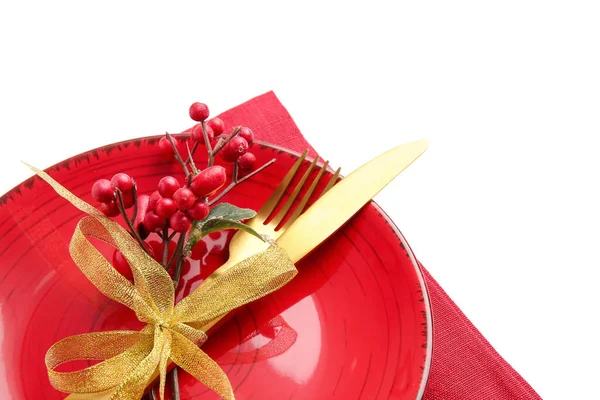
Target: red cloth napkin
x=464, y=364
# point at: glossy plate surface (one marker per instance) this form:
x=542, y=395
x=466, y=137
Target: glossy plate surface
x=354, y=324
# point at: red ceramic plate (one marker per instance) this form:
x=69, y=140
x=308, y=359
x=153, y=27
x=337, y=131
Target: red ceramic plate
x=354, y=324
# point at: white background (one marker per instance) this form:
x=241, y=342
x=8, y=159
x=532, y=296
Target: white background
x=504, y=207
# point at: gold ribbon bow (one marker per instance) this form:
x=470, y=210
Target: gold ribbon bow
x=173, y=332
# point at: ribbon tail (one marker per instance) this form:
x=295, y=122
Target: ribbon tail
x=164, y=362
x=197, y=363
x=134, y=385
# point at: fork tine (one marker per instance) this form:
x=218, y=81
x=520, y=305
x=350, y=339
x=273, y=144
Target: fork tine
x=332, y=182
x=286, y=207
x=272, y=201
x=306, y=197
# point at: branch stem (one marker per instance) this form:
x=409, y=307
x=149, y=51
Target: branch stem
x=236, y=181
x=166, y=240
x=192, y=152
x=175, y=384
x=135, y=205
x=177, y=155
x=223, y=143
x=180, y=260
x=135, y=233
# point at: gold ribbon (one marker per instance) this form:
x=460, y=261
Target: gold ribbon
x=173, y=332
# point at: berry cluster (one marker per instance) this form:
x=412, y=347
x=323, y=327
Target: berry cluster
x=233, y=147
x=108, y=193
x=175, y=206
x=237, y=149
x=180, y=205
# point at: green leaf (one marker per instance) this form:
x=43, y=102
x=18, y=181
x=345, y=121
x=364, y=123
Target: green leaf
x=230, y=212
x=222, y=216
x=219, y=224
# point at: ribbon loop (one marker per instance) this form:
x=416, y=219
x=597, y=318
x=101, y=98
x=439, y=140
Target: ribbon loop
x=121, y=350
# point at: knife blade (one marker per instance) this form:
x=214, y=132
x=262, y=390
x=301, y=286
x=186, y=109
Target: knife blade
x=344, y=199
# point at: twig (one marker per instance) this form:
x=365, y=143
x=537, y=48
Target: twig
x=177, y=155
x=191, y=160
x=175, y=253
x=180, y=260
x=223, y=143
x=135, y=205
x=237, y=182
x=220, y=145
x=192, y=152
x=212, y=153
x=121, y=207
x=207, y=144
x=175, y=383
x=236, y=172
x=168, y=265
x=166, y=240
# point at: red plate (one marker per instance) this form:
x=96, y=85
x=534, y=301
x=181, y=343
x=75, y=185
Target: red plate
x=354, y=324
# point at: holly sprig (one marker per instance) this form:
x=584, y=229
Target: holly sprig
x=184, y=211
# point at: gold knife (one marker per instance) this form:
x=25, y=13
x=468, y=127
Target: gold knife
x=344, y=199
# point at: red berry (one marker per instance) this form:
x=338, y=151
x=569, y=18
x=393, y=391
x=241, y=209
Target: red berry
x=166, y=149
x=154, y=198
x=153, y=222
x=208, y=181
x=198, y=136
x=228, y=155
x=165, y=207
x=180, y=222
x=199, y=211
x=238, y=146
x=123, y=182
x=121, y=265
x=199, y=112
x=247, y=134
x=217, y=125
x=109, y=209
x=102, y=191
x=247, y=161
x=142, y=210
x=167, y=186
x=184, y=198
x=127, y=200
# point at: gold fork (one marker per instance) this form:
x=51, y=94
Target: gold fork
x=244, y=245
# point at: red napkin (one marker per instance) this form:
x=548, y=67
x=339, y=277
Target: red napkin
x=464, y=364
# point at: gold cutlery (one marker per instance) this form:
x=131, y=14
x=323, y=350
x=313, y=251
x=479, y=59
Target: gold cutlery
x=339, y=204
